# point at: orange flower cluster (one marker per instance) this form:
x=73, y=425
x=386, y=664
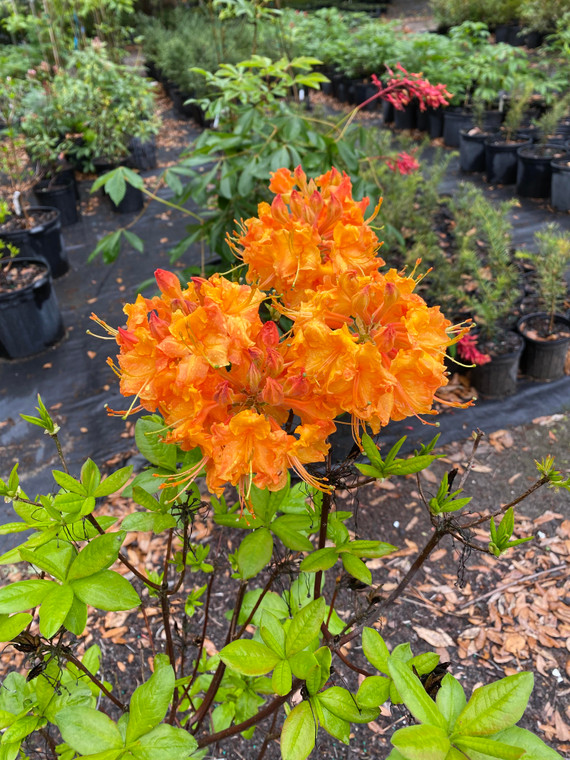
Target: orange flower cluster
x=361, y=342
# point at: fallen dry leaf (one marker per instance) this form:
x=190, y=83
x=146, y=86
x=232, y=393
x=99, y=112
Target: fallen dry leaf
x=437, y=638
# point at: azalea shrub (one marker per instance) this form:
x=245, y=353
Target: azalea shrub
x=244, y=384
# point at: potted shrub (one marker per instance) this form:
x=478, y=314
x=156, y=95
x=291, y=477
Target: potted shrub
x=534, y=172
x=547, y=333
x=490, y=291
x=30, y=319
x=501, y=148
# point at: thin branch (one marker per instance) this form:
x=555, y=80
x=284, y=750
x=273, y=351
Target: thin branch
x=476, y=441
x=80, y=666
x=522, y=497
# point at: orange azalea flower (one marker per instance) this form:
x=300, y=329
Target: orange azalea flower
x=362, y=342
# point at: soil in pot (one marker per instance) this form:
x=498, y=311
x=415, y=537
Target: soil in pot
x=498, y=378
x=30, y=319
x=534, y=172
x=544, y=354
x=560, y=184
x=59, y=192
x=38, y=235
x=501, y=160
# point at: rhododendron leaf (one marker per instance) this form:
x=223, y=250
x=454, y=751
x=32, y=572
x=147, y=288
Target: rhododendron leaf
x=414, y=696
x=145, y=521
x=134, y=240
x=88, y=730
x=333, y=725
x=450, y=700
x=23, y=595
x=282, y=679
x=53, y=557
x=302, y=663
x=535, y=747
x=370, y=471
x=90, y=476
x=251, y=658
x=373, y=691
x=147, y=500
x=290, y=536
x=106, y=590
x=391, y=455
x=151, y=700
x=114, y=482
x=272, y=633
x=164, y=743
x=70, y=484
x=356, y=568
x=409, y=466
x=496, y=706
x=76, y=619
x=424, y=663
x=149, y=432
x=254, y=553
x=12, y=625
x=299, y=733
x=54, y=609
x=370, y=549
x=422, y=743
x=344, y=705
x=322, y=559
x=375, y=650
x=99, y=554
x=305, y=626
x=488, y=747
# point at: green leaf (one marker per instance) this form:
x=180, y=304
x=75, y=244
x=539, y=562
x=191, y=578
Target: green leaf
x=76, y=619
x=414, y=696
x=138, y=245
x=12, y=625
x=332, y=724
x=450, y=700
x=106, y=590
x=273, y=633
x=299, y=733
x=371, y=549
x=344, y=705
x=283, y=529
x=375, y=650
x=114, y=482
x=87, y=730
x=145, y=521
x=20, y=729
x=371, y=450
x=282, y=679
x=148, y=432
x=54, y=557
x=146, y=500
x=223, y=715
x=90, y=476
x=54, y=609
x=116, y=187
x=488, y=747
x=23, y=595
x=305, y=626
x=322, y=559
x=535, y=748
x=496, y=706
x=251, y=658
x=422, y=743
x=373, y=691
x=98, y=554
x=150, y=701
x=254, y=553
x=356, y=568
x=70, y=484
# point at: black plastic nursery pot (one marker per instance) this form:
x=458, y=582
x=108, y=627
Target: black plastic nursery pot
x=534, y=170
x=453, y=123
x=544, y=359
x=405, y=118
x=560, y=184
x=387, y=112
x=30, y=320
x=435, y=122
x=43, y=241
x=422, y=119
x=472, y=150
x=59, y=192
x=143, y=154
x=501, y=160
x=498, y=378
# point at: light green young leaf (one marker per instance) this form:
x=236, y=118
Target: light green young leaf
x=149, y=432
x=88, y=731
x=332, y=724
x=273, y=633
x=414, y=696
x=375, y=650
x=76, y=619
x=496, y=706
x=23, y=595
x=450, y=700
x=343, y=704
x=165, y=743
x=54, y=557
x=373, y=691
x=299, y=733
x=114, y=482
x=322, y=559
x=356, y=568
x=54, y=609
x=488, y=747
x=106, y=590
x=146, y=521
x=535, y=748
x=99, y=554
x=305, y=626
x=282, y=679
x=254, y=553
x=251, y=658
x=151, y=700
x=12, y=625
x=90, y=476
x=422, y=743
